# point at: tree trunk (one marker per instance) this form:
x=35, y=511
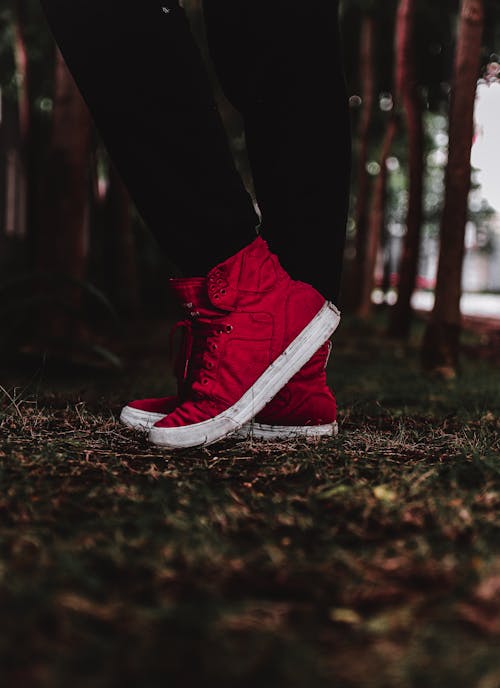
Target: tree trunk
x=24, y=114
x=408, y=93
x=62, y=237
x=376, y=225
x=21, y=60
x=124, y=268
x=367, y=75
x=440, y=352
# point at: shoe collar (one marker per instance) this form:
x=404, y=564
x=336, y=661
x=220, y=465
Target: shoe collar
x=244, y=277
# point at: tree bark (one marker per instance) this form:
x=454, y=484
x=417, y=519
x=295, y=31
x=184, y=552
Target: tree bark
x=377, y=218
x=441, y=345
x=25, y=180
x=62, y=238
x=407, y=92
x=367, y=75
x=125, y=286
x=23, y=76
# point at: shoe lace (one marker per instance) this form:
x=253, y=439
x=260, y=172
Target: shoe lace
x=197, y=355
x=180, y=360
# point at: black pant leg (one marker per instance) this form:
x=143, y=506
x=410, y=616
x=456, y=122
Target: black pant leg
x=142, y=76
x=279, y=63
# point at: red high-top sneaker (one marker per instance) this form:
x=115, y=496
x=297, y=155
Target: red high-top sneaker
x=305, y=407
x=253, y=331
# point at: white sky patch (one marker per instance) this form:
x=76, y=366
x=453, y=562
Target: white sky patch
x=486, y=149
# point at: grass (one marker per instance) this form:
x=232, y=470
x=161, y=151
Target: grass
x=369, y=560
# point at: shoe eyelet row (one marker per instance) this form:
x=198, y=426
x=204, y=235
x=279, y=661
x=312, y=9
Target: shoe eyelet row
x=217, y=284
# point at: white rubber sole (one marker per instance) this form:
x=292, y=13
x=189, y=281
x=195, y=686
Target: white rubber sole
x=296, y=355
x=144, y=420
x=139, y=420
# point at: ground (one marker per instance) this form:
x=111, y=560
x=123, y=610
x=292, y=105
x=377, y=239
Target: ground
x=371, y=560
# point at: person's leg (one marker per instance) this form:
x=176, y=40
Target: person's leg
x=279, y=63
x=142, y=76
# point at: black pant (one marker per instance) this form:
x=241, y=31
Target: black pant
x=278, y=61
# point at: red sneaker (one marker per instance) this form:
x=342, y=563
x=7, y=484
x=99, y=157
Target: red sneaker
x=305, y=407
x=142, y=414
x=253, y=329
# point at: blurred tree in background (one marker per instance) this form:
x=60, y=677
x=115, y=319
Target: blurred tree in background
x=410, y=98
x=442, y=337
x=73, y=250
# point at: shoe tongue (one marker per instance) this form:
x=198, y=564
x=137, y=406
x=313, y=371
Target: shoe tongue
x=192, y=295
